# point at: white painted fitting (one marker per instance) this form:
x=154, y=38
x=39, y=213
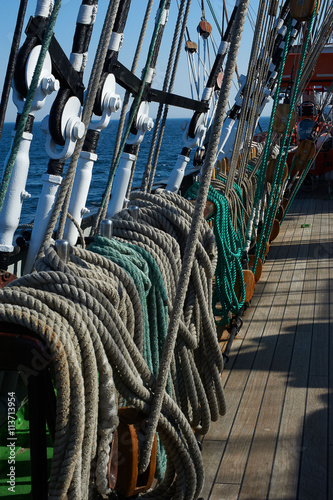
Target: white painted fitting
x=49, y=85
x=87, y=14
x=44, y=8
x=51, y=184
x=164, y=18
x=79, y=194
x=120, y=184
x=177, y=174
x=226, y=131
x=224, y=47
x=12, y=206
x=76, y=61
x=207, y=93
x=116, y=41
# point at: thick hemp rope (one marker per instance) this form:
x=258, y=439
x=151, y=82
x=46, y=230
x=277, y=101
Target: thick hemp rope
x=193, y=236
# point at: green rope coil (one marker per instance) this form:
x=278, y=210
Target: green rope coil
x=229, y=265
x=144, y=271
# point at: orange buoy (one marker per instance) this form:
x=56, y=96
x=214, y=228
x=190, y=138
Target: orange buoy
x=302, y=10
x=130, y=437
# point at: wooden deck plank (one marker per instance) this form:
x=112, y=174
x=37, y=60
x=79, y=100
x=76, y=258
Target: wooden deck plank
x=241, y=435
x=268, y=434
x=211, y=454
x=257, y=479
x=284, y=477
x=313, y=479
x=224, y=492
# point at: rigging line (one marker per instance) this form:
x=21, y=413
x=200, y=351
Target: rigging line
x=246, y=97
x=133, y=69
x=282, y=158
x=257, y=95
x=192, y=239
x=215, y=18
x=171, y=67
x=12, y=62
x=166, y=108
x=136, y=103
x=87, y=113
x=28, y=102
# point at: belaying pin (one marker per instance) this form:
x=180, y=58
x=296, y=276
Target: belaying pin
x=107, y=228
x=134, y=212
x=63, y=248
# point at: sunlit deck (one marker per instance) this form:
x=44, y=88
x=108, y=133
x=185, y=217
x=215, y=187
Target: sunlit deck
x=276, y=441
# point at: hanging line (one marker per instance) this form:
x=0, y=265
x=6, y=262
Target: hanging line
x=12, y=62
x=192, y=239
x=135, y=107
x=151, y=171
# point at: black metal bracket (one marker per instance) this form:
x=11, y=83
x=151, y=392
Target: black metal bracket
x=126, y=79
x=62, y=68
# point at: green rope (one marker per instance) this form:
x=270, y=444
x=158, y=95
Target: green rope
x=28, y=102
x=135, y=106
x=146, y=275
x=214, y=17
x=229, y=265
x=278, y=175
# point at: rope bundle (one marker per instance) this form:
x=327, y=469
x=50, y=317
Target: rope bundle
x=89, y=313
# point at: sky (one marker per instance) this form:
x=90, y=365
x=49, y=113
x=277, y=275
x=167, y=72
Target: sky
x=65, y=28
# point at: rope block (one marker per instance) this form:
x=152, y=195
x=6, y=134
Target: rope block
x=305, y=152
x=257, y=274
x=302, y=10
x=191, y=47
x=131, y=435
x=281, y=118
x=271, y=167
x=250, y=283
x=280, y=213
x=275, y=230
x=204, y=29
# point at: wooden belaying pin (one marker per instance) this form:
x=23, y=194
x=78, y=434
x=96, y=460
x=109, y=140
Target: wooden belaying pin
x=107, y=228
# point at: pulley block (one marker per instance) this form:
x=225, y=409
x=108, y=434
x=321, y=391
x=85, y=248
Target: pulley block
x=191, y=47
x=305, y=152
x=257, y=274
x=281, y=117
x=123, y=475
x=275, y=230
x=249, y=281
x=204, y=29
x=302, y=10
x=271, y=168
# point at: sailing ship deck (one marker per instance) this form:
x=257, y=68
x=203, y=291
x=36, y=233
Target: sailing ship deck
x=276, y=440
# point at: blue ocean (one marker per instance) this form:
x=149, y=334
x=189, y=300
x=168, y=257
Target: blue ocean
x=171, y=147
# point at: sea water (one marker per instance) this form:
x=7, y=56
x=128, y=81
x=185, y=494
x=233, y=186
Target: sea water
x=170, y=149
